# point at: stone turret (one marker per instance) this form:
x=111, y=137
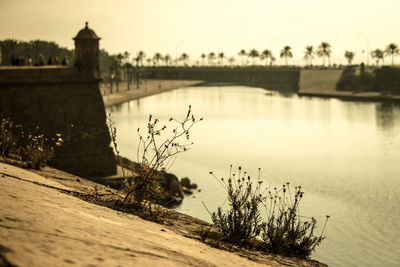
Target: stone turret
x=87, y=51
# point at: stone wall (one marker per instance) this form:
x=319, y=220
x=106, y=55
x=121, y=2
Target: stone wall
x=61, y=100
x=285, y=79
x=317, y=81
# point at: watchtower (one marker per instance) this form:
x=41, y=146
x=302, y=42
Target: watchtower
x=87, y=51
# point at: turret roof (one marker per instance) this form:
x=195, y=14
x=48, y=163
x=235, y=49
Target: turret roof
x=86, y=33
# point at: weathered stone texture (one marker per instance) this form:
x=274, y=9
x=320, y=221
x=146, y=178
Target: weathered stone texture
x=61, y=100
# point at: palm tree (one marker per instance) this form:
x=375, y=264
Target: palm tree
x=286, y=52
x=349, y=55
x=254, y=54
x=309, y=54
x=127, y=65
x=392, y=50
x=140, y=57
x=128, y=70
x=273, y=59
x=211, y=58
x=231, y=60
x=203, y=57
x=126, y=56
x=324, y=50
x=157, y=57
x=119, y=59
x=184, y=58
x=137, y=59
x=221, y=58
x=167, y=59
x=242, y=53
x=266, y=54
x=35, y=45
x=378, y=55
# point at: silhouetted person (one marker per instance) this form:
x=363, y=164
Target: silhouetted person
x=30, y=60
x=13, y=59
x=21, y=61
x=64, y=62
x=41, y=60
x=362, y=67
x=50, y=60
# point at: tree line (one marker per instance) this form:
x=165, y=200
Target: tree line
x=39, y=52
x=249, y=57
x=35, y=52
x=111, y=65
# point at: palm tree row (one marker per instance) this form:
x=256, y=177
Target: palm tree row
x=254, y=54
x=391, y=50
x=323, y=51
x=378, y=55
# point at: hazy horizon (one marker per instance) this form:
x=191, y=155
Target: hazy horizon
x=196, y=27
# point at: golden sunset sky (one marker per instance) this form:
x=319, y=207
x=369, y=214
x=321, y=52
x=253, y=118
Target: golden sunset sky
x=202, y=26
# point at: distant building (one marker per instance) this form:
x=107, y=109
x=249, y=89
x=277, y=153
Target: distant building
x=64, y=100
x=87, y=50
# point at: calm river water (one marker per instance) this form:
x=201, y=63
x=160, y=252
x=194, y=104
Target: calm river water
x=346, y=156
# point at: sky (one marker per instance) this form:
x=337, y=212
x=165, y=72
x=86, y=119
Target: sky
x=203, y=26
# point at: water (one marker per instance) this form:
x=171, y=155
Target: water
x=346, y=156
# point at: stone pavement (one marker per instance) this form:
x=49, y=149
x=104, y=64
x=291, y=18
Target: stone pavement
x=147, y=87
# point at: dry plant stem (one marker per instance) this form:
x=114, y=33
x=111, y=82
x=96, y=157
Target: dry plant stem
x=154, y=156
x=113, y=132
x=283, y=231
x=30, y=147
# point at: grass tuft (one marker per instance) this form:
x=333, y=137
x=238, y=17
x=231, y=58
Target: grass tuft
x=281, y=229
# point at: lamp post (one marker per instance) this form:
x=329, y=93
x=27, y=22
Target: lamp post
x=177, y=51
x=367, y=42
x=330, y=41
x=276, y=37
x=306, y=39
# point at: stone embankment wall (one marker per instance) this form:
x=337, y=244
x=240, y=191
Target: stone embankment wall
x=304, y=81
x=285, y=79
x=318, y=82
x=61, y=100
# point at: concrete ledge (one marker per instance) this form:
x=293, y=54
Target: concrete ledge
x=43, y=224
x=147, y=87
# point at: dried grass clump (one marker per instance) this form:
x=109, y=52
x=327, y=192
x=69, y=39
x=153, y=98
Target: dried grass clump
x=155, y=156
x=29, y=147
x=281, y=229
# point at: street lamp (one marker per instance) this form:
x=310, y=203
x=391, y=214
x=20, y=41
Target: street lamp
x=330, y=41
x=276, y=37
x=367, y=42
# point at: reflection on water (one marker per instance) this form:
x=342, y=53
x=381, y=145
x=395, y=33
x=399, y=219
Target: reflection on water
x=344, y=154
x=385, y=115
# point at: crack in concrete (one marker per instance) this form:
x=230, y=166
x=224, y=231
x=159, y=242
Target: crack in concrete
x=44, y=185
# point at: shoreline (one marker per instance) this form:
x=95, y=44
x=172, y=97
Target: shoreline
x=351, y=96
x=150, y=87
x=147, y=87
